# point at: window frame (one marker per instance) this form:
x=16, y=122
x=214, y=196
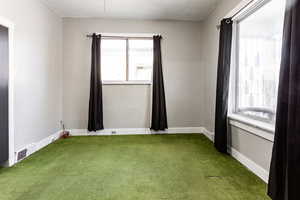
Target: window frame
x=234, y=74
x=127, y=81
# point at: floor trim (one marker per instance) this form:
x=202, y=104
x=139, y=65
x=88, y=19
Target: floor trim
x=244, y=160
x=34, y=147
x=136, y=131
x=208, y=134
x=251, y=165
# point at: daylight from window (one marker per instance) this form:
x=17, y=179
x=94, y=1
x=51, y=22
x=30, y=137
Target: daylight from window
x=259, y=57
x=140, y=59
x=123, y=60
x=113, y=60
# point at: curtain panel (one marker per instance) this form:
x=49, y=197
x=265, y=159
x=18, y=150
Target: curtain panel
x=285, y=165
x=159, y=111
x=223, y=85
x=95, y=121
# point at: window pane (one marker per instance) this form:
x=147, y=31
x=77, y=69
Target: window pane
x=260, y=38
x=113, y=60
x=140, y=59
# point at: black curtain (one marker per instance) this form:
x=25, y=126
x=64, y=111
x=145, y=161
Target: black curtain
x=223, y=85
x=285, y=166
x=159, y=112
x=95, y=104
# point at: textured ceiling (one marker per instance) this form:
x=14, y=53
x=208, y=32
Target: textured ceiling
x=190, y=10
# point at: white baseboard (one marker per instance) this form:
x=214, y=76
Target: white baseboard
x=179, y=130
x=34, y=147
x=208, y=134
x=251, y=165
x=136, y=131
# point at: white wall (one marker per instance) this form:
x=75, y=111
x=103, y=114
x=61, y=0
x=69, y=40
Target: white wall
x=249, y=144
x=210, y=56
x=127, y=106
x=190, y=53
x=38, y=69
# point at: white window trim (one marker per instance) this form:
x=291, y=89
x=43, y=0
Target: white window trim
x=126, y=82
x=128, y=37
x=256, y=127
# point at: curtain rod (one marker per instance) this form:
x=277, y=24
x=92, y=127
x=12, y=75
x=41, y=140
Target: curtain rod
x=122, y=37
x=238, y=12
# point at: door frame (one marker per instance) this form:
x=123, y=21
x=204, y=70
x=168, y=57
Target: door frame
x=8, y=24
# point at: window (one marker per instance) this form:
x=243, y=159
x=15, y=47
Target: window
x=258, y=53
x=127, y=60
x=113, y=58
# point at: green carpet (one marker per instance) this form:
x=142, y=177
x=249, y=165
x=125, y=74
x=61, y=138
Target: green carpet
x=151, y=167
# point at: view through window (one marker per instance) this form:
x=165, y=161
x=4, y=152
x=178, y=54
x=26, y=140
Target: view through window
x=259, y=55
x=126, y=59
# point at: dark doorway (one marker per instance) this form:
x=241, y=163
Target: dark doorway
x=4, y=78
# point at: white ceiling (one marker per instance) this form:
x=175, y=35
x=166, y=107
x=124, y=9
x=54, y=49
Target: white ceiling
x=190, y=10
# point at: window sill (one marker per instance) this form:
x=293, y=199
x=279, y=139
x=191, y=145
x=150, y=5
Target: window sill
x=126, y=83
x=261, y=129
